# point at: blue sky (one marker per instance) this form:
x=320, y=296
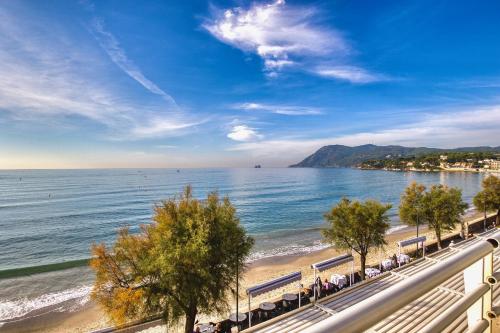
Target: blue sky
x=235, y=83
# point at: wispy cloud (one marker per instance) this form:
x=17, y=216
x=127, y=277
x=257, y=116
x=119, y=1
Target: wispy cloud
x=350, y=73
x=157, y=126
x=166, y=146
x=285, y=36
x=45, y=73
x=464, y=127
x=243, y=133
x=112, y=47
x=475, y=83
x=289, y=110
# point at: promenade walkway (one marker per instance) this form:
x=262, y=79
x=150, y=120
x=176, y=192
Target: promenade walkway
x=411, y=318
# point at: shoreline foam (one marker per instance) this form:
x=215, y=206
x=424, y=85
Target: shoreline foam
x=14, y=309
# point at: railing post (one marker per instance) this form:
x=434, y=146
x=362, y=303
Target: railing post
x=488, y=297
x=474, y=275
x=399, y=254
x=314, y=286
x=351, y=282
x=300, y=291
x=249, y=310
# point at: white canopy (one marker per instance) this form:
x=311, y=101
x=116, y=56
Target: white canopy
x=329, y=263
x=411, y=241
x=274, y=284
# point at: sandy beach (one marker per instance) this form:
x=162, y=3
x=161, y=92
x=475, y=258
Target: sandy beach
x=91, y=317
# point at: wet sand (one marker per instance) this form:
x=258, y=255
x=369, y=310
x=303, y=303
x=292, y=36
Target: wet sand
x=86, y=319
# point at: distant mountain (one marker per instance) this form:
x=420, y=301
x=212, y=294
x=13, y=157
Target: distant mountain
x=335, y=156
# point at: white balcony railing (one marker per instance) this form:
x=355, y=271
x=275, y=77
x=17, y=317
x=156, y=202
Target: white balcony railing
x=476, y=263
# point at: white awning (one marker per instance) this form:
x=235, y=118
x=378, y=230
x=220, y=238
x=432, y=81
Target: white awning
x=329, y=263
x=274, y=284
x=411, y=241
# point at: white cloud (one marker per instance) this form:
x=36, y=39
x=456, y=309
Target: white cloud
x=289, y=110
x=276, y=32
x=349, y=73
x=284, y=36
x=166, y=146
x=274, y=65
x=112, y=47
x=249, y=106
x=244, y=133
x=46, y=73
x=472, y=127
x=158, y=126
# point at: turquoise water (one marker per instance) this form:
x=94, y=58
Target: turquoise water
x=53, y=216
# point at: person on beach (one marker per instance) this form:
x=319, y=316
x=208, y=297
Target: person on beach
x=319, y=287
x=328, y=287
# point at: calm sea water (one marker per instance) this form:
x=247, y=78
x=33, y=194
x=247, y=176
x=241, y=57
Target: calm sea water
x=53, y=216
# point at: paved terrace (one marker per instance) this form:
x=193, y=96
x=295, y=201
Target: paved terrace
x=411, y=318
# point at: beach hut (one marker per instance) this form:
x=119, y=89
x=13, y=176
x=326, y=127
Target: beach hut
x=272, y=285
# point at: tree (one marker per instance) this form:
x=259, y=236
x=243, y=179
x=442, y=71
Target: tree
x=480, y=201
x=410, y=207
x=489, y=197
x=442, y=208
x=357, y=226
x=182, y=264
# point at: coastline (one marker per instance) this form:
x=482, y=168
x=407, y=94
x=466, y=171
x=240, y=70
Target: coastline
x=90, y=317
x=485, y=171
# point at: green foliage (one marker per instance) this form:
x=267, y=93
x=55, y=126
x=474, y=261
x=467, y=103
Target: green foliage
x=411, y=204
x=344, y=156
x=428, y=161
x=182, y=264
x=358, y=226
x=443, y=208
x=440, y=207
x=489, y=197
x=481, y=201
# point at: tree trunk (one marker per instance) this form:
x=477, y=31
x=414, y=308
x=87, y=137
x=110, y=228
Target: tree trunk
x=485, y=219
x=190, y=319
x=363, y=265
x=438, y=237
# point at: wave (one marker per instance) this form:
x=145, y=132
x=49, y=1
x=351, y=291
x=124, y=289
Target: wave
x=471, y=210
x=23, y=271
x=292, y=249
x=11, y=309
x=288, y=250
x=396, y=228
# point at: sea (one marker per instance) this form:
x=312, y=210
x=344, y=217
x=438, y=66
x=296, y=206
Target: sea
x=50, y=218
